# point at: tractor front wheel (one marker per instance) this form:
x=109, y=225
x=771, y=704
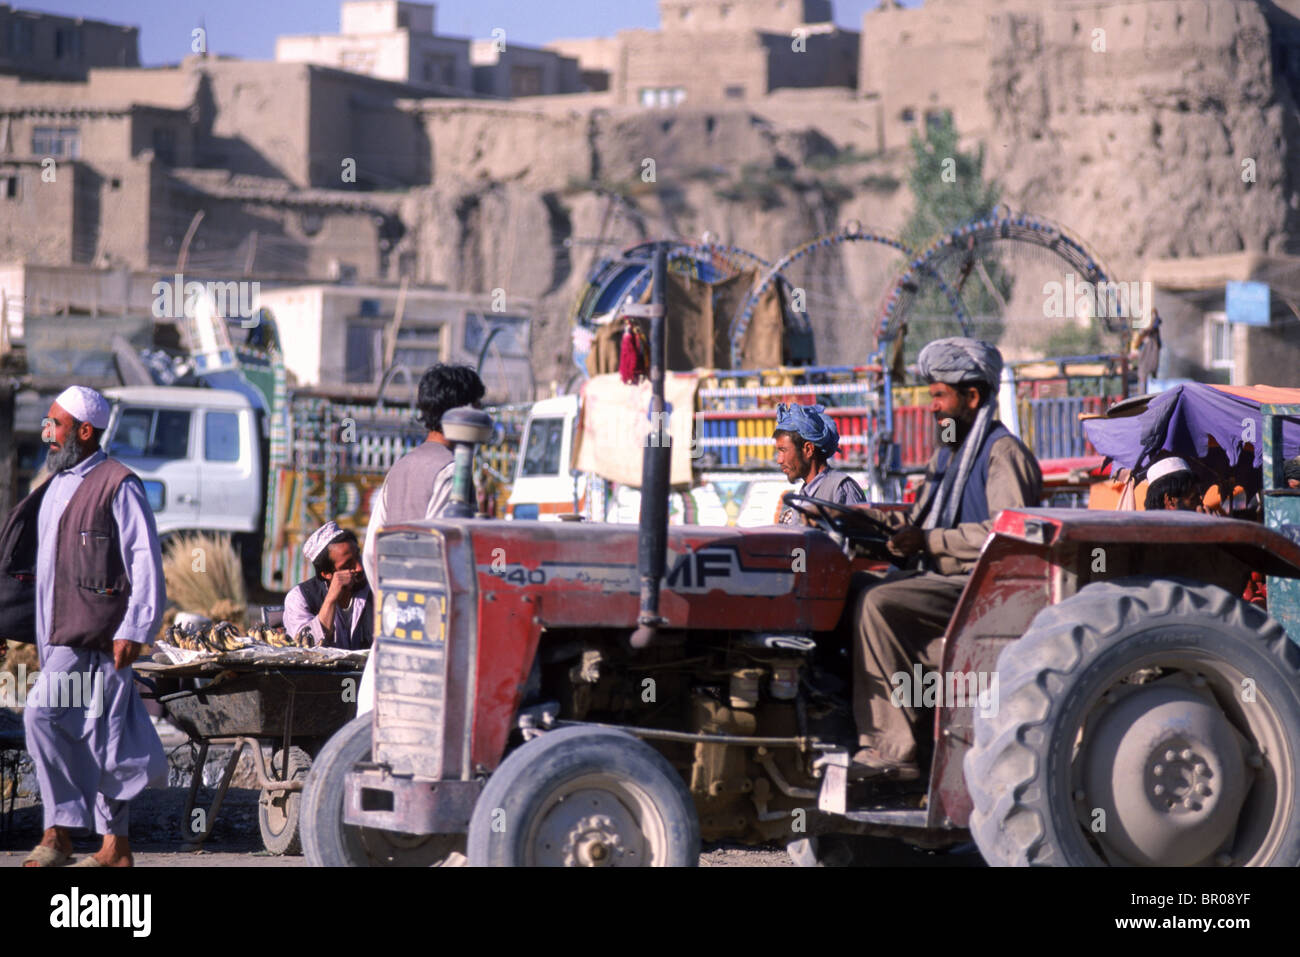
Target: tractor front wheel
x=328, y=842
x=584, y=797
x=1142, y=722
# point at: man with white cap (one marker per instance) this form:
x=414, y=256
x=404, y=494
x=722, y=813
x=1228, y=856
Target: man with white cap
x=334, y=606
x=81, y=572
x=979, y=469
x=1171, y=484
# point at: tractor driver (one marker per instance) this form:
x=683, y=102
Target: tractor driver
x=979, y=469
x=805, y=438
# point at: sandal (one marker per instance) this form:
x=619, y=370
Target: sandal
x=46, y=857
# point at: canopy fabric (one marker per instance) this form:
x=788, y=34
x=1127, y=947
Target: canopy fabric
x=1185, y=418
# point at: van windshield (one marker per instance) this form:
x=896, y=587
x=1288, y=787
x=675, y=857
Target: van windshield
x=152, y=433
x=545, y=442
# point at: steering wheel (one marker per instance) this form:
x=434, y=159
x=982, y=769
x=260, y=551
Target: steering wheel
x=852, y=523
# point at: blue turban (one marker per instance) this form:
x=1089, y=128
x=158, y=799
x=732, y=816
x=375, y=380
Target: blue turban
x=811, y=423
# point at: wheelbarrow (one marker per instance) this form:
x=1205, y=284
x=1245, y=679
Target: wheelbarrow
x=294, y=708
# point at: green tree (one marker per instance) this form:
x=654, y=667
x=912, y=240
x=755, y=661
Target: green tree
x=948, y=189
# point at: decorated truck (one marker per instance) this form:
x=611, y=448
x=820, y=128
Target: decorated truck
x=740, y=340
x=240, y=454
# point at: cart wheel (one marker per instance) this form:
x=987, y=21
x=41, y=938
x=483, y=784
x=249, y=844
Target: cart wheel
x=328, y=842
x=278, y=811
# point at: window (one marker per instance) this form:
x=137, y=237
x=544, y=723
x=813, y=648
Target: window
x=358, y=61
x=9, y=186
x=734, y=92
x=153, y=433
x=440, y=69
x=908, y=115
x=545, y=442
x=164, y=145
x=526, y=81
x=418, y=347
x=64, y=141
x=21, y=37
x=365, y=351
x=510, y=340
x=935, y=119
x=67, y=43
x=662, y=96
x=1218, y=341
x=221, y=437
x=156, y=495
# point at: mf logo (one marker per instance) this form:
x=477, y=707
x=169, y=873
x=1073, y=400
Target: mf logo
x=716, y=568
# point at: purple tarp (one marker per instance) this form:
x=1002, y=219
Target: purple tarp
x=1181, y=421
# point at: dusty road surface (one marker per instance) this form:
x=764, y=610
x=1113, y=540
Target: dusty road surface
x=157, y=822
x=235, y=842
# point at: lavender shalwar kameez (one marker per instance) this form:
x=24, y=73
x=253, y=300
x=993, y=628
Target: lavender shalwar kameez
x=93, y=756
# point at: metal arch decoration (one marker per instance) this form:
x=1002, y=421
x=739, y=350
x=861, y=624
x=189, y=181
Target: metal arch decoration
x=1000, y=225
x=852, y=232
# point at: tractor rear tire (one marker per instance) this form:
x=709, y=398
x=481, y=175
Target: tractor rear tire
x=1194, y=762
x=328, y=842
x=585, y=797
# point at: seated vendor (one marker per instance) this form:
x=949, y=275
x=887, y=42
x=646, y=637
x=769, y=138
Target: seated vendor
x=1172, y=485
x=334, y=606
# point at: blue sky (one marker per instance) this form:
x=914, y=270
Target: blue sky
x=248, y=28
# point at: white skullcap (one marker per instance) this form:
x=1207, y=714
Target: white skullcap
x=85, y=405
x=1167, y=467
x=320, y=540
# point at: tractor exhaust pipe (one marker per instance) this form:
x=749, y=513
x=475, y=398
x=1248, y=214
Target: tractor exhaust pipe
x=466, y=429
x=652, y=546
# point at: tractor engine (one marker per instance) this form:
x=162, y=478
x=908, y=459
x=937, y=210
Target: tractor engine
x=710, y=686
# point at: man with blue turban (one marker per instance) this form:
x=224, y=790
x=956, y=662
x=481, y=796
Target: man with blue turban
x=978, y=470
x=805, y=438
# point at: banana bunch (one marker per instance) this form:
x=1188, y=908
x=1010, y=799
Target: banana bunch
x=277, y=637
x=217, y=637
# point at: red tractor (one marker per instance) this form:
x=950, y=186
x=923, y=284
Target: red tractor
x=1144, y=713
x=597, y=695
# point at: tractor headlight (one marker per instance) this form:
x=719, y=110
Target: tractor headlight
x=388, y=616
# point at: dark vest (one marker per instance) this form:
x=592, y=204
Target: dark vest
x=974, y=505
x=91, y=588
x=314, y=591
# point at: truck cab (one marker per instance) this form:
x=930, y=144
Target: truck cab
x=198, y=452
x=544, y=485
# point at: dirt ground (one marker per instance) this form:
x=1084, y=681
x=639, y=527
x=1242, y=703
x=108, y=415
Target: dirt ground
x=235, y=842
x=156, y=819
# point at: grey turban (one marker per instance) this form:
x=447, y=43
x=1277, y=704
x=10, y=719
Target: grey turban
x=957, y=360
